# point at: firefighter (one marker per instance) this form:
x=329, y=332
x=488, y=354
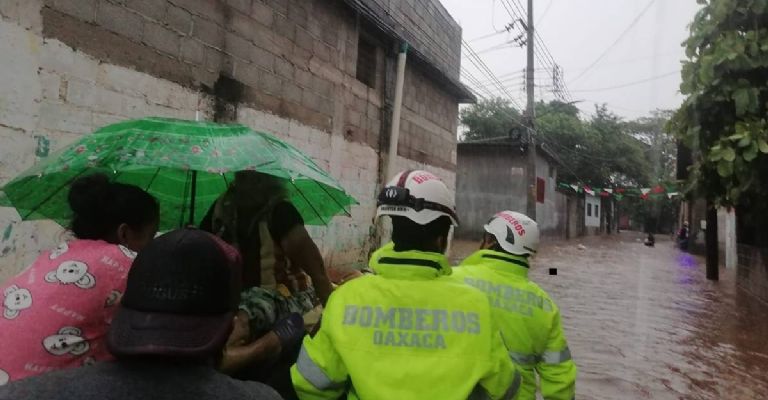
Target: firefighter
x=529, y=319
x=409, y=331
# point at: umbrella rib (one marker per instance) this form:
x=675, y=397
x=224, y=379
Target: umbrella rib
x=67, y=183
x=184, y=201
x=151, y=181
x=310, y=204
x=333, y=198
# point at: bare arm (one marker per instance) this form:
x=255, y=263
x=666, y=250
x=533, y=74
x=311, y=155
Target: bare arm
x=239, y=354
x=302, y=252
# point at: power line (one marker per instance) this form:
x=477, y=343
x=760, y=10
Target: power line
x=544, y=14
x=488, y=35
x=621, y=36
x=544, y=56
x=653, y=78
x=483, y=68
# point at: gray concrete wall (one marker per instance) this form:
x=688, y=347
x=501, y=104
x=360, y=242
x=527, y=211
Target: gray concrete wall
x=550, y=215
x=71, y=66
x=488, y=180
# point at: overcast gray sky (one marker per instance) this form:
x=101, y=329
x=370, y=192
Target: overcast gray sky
x=636, y=75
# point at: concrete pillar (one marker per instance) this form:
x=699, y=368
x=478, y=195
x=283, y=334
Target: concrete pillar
x=731, y=251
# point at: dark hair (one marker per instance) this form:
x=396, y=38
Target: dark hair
x=408, y=235
x=100, y=206
x=496, y=246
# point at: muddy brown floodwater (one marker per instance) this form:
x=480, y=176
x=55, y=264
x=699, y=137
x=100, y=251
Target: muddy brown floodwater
x=644, y=323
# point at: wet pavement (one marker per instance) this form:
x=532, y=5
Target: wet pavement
x=644, y=323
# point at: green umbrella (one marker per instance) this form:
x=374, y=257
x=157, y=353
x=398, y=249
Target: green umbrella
x=186, y=165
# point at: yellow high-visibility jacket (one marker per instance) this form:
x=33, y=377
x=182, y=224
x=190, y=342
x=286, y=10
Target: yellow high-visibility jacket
x=529, y=321
x=408, y=332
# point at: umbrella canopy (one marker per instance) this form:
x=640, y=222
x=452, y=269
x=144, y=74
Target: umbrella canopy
x=186, y=165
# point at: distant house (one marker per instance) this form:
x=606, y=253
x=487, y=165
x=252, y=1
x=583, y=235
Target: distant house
x=491, y=177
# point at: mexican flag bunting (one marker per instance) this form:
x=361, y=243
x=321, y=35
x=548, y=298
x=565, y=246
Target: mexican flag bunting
x=575, y=188
x=645, y=192
x=672, y=194
x=608, y=190
x=589, y=191
x=658, y=189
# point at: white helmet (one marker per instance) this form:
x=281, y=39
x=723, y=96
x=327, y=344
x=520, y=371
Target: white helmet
x=419, y=196
x=515, y=232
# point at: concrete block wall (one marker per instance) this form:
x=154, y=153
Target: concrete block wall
x=52, y=95
x=429, y=122
x=71, y=66
x=489, y=179
x=550, y=215
x=428, y=26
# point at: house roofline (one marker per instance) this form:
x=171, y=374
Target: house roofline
x=388, y=26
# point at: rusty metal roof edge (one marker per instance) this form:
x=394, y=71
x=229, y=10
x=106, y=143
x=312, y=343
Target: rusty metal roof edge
x=455, y=87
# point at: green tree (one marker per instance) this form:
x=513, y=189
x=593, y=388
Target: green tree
x=723, y=118
x=662, y=153
x=597, y=152
x=492, y=118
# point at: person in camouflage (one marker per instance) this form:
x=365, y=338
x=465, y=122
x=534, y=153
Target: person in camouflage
x=284, y=276
x=283, y=270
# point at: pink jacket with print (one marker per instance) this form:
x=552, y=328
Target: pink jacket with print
x=56, y=313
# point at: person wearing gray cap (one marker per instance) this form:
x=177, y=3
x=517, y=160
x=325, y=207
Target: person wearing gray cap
x=168, y=334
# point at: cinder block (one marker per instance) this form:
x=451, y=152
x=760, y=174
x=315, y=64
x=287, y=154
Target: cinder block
x=213, y=10
x=270, y=83
x=50, y=85
x=304, y=78
x=178, y=19
x=208, y=32
x=16, y=154
x=66, y=118
x=84, y=10
x=300, y=56
x=25, y=13
x=262, y=58
x=213, y=59
x=284, y=68
x=120, y=20
x=311, y=100
x=284, y=27
x=297, y=12
x=292, y=92
x=243, y=6
x=280, y=6
x=304, y=39
x=192, y=51
x=162, y=38
x=149, y=8
x=242, y=24
x=248, y=74
x=262, y=13
x=122, y=79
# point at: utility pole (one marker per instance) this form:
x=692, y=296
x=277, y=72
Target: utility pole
x=530, y=118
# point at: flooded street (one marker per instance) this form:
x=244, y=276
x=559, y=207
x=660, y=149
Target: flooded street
x=644, y=323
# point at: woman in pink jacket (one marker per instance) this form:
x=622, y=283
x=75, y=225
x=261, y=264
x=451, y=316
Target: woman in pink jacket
x=55, y=314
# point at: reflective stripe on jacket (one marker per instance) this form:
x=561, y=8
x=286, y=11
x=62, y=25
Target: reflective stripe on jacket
x=529, y=321
x=408, y=332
